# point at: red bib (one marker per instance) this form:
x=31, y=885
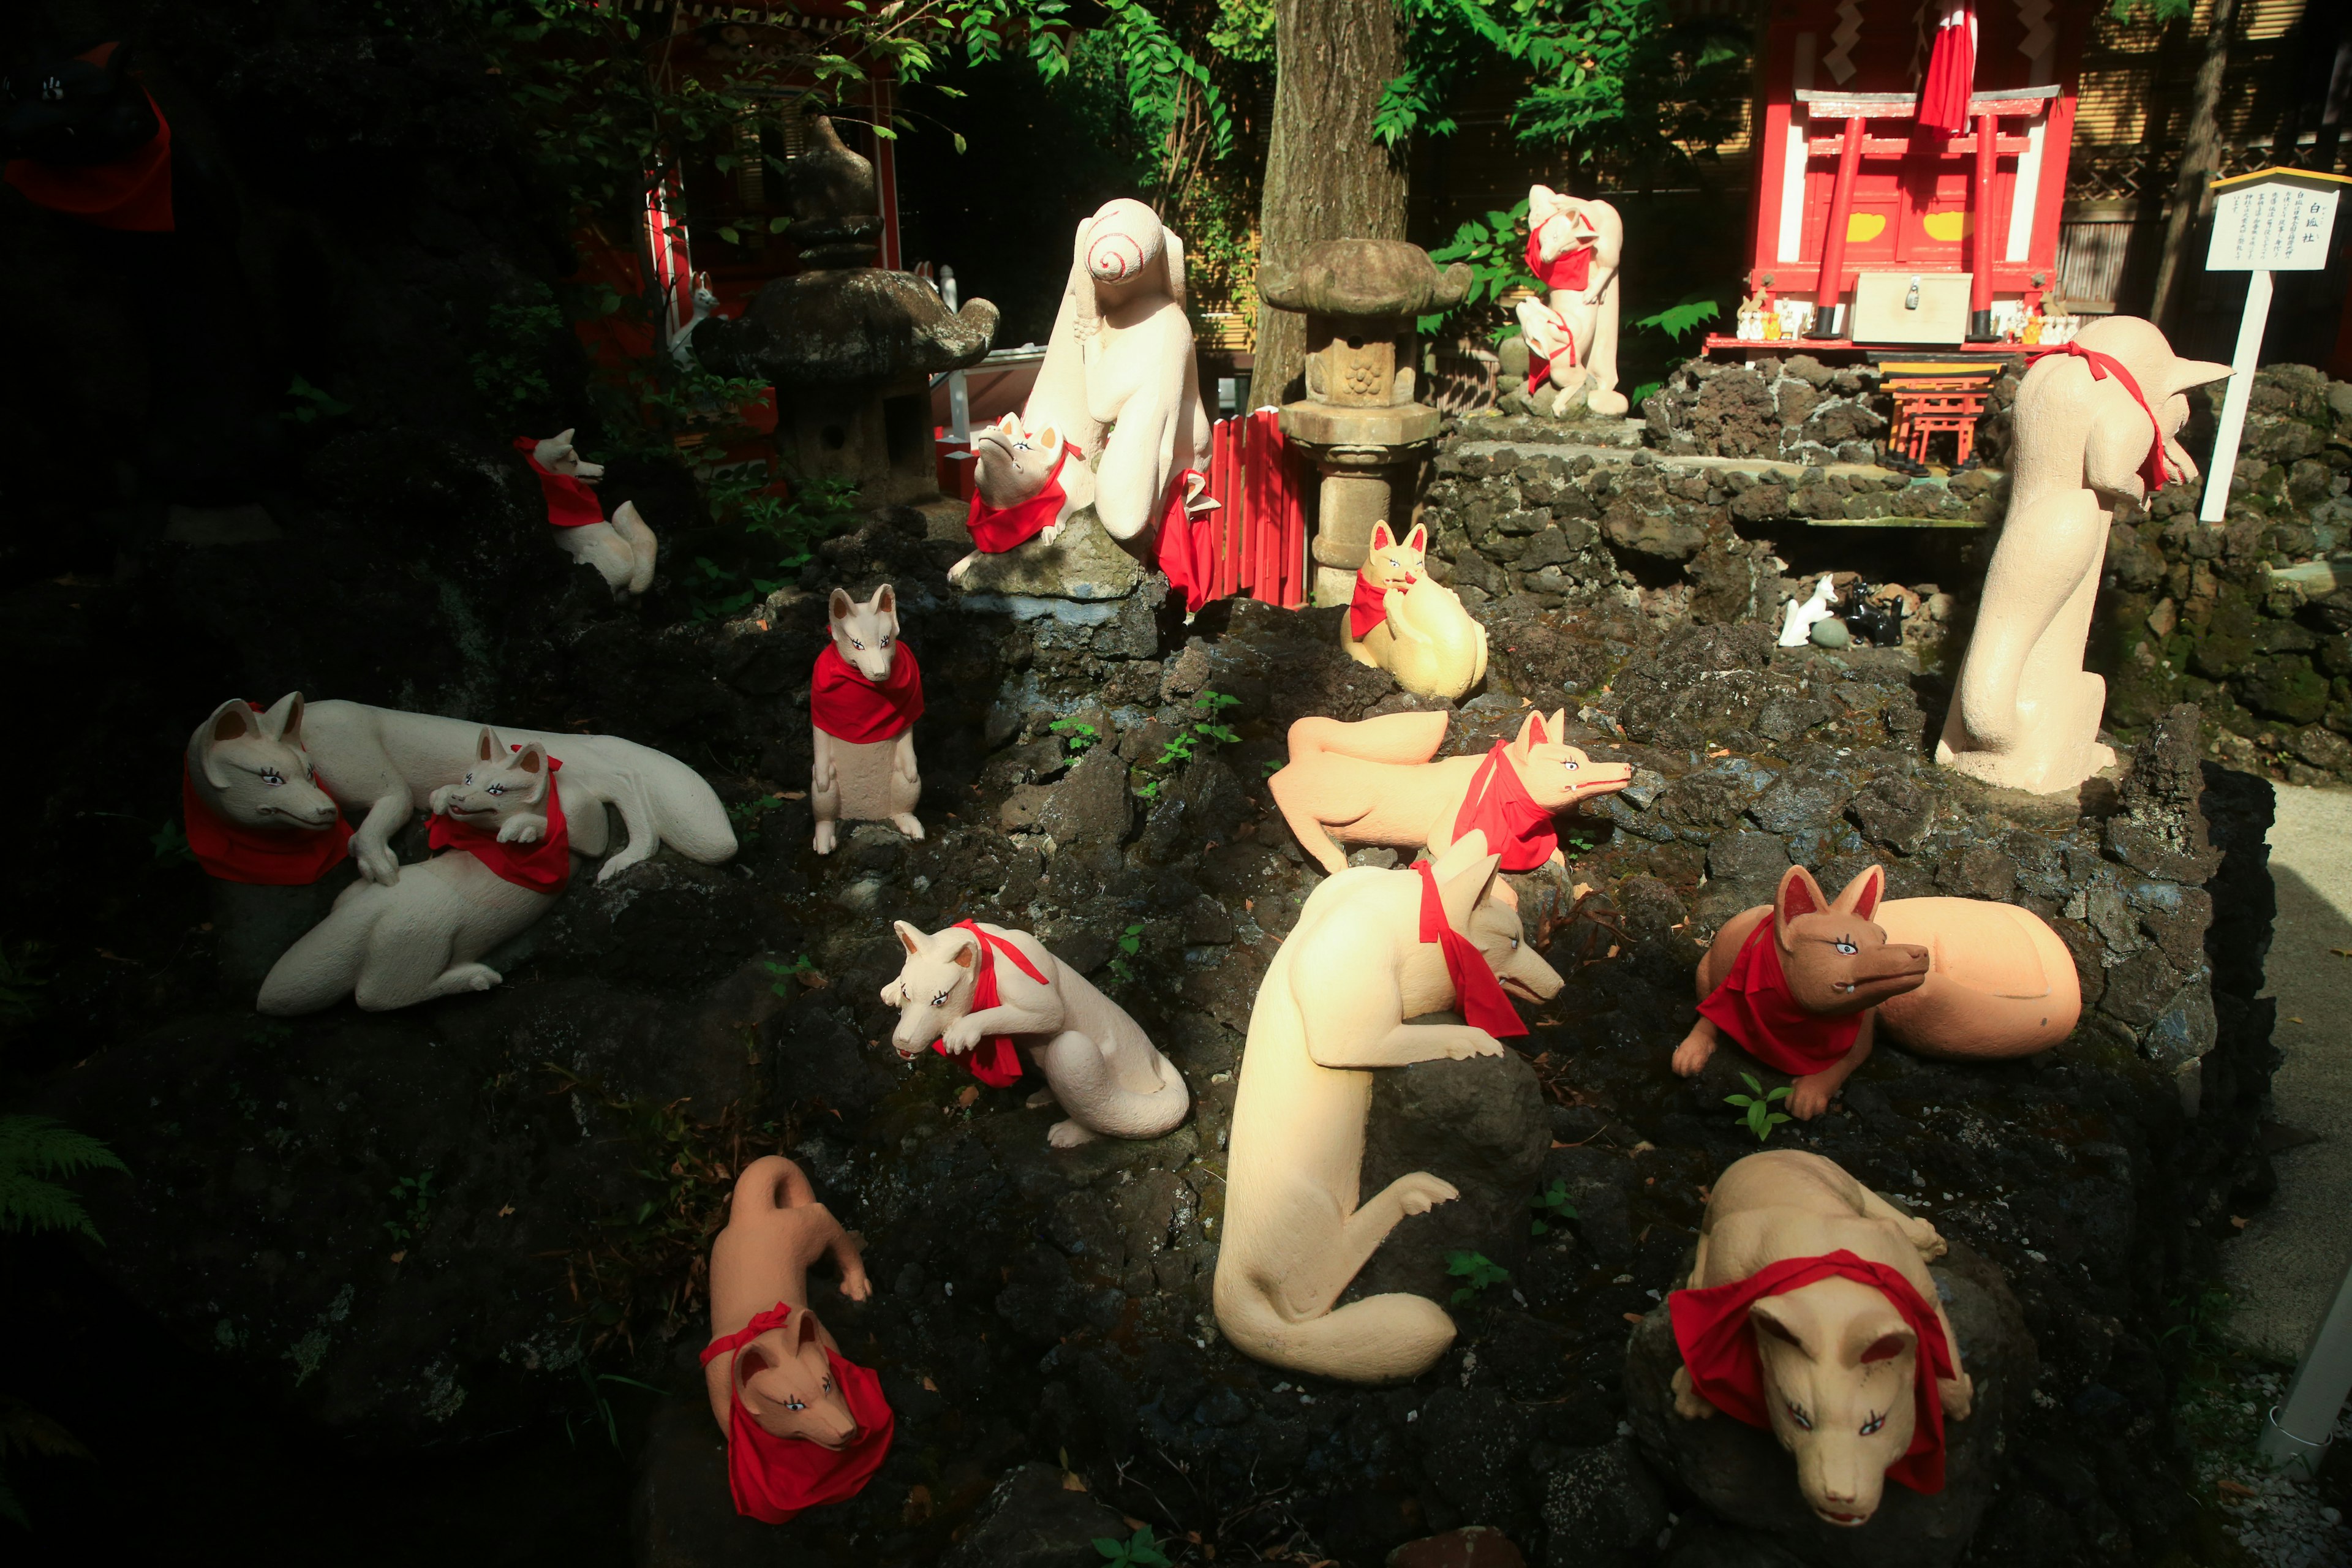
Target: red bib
x=135, y=193
x=848, y=707
x=995, y=530
x=569, y=503
x=2153, y=470
x=994, y=1061
x=1719, y=1349
x=543, y=868
x=1499, y=806
x=1571, y=268
x=775, y=1479
x=1370, y=606
x=1186, y=546
x=260, y=856
x=1754, y=1007
x=1476, y=992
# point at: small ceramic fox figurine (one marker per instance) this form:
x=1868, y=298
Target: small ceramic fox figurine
x=804, y=1427
x=1406, y=622
x=1803, y=984
x=863, y=699
x=1024, y=489
x=622, y=550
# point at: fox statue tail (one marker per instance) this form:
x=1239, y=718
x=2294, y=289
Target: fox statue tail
x=661, y=799
x=1402, y=738
x=1380, y=1339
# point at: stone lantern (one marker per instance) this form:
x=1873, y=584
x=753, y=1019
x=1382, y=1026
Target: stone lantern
x=1359, y=420
x=849, y=347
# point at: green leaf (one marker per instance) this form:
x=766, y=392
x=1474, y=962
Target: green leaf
x=727, y=234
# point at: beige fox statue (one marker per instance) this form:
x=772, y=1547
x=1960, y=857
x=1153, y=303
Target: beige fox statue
x=623, y=549
x=1575, y=247
x=394, y=946
x=1331, y=1010
x=1026, y=486
x=1374, y=782
x=975, y=990
x=864, y=698
x=1407, y=623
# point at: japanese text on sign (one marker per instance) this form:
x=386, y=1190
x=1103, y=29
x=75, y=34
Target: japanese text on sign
x=2271, y=228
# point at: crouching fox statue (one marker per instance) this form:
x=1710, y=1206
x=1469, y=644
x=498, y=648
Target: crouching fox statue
x=1404, y=621
x=624, y=550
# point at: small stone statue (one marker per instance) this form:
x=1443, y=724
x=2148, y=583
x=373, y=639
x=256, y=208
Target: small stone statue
x=622, y=550
x=1574, y=248
x=1810, y=1312
x=804, y=1427
x=1371, y=948
x=502, y=855
x=1407, y=623
x=1020, y=490
x=1801, y=983
x=974, y=990
x=1803, y=614
x=1374, y=782
x=2094, y=421
x=863, y=699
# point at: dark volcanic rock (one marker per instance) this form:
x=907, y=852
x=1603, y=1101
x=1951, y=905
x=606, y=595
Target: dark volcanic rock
x=1032, y=1521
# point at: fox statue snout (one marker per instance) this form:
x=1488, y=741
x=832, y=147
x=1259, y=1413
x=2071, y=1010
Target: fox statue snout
x=787, y=1386
x=1833, y=981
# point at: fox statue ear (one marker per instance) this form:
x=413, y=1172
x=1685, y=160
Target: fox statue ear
x=839, y=606
x=1382, y=538
x=1558, y=723
x=284, y=719
x=232, y=720
x=1862, y=895
x=1531, y=733
x=967, y=951
x=1418, y=540
x=885, y=600
x=908, y=937
x=485, y=745
x=1049, y=436
x=1799, y=895
x=1010, y=423
x=1464, y=874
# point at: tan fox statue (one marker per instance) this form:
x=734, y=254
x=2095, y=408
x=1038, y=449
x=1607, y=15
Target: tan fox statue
x=506, y=856
x=624, y=550
x=1575, y=246
x=1027, y=486
x=1804, y=982
x=805, y=1425
x=1810, y=1312
x=1406, y=622
x=974, y=990
x=864, y=698
x=1373, y=782
x=1332, y=1008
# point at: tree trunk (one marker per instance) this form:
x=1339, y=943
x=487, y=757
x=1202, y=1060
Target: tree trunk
x=1326, y=178
x=2200, y=157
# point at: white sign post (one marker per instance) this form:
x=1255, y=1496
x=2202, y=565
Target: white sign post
x=2273, y=220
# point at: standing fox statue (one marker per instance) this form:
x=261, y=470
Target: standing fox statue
x=1373, y=783
x=1406, y=622
x=974, y=990
x=624, y=550
x=804, y=1427
x=502, y=856
x=1810, y=1312
x=864, y=698
x=1804, y=982
x=1371, y=948
x=1574, y=246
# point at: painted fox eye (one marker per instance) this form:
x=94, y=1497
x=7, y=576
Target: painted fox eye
x=859, y=645
x=272, y=777
x=1805, y=1422
x=1871, y=1426
x=795, y=1403
x=1846, y=946
x=1568, y=764
x=497, y=789
x=940, y=1000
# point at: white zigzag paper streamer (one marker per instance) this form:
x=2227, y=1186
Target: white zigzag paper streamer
x=1839, y=61
x=2039, y=33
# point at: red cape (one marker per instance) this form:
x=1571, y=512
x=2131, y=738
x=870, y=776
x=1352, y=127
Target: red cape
x=1186, y=546
x=2152, y=470
x=134, y=194
x=848, y=707
x=1754, y=1007
x=994, y=1062
x=1571, y=268
x=569, y=503
x=260, y=856
x=1719, y=1349
x=1476, y=992
x=995, y=530
x=776, y=1479
x=1369, y=607
x=543, y=868
x=1499, y=806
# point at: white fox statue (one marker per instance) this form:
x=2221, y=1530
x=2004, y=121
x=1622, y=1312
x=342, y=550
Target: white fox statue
x=1025, y=488
x=865, y=696
x=624, y=550
x=505, y=857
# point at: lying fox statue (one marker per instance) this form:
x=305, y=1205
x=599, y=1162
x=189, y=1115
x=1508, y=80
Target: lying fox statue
x=394, y=946
x=624, y=550
x=1810, y=1312
x=1370, y=949
x=972, y=990
x=1804, y=982
x=804, y=1427
x=1406, y=622
x=1373, y=782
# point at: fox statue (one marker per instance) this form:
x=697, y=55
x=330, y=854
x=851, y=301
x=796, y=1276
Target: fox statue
x=1804, y=982
x=1370, y=949
x=1574, y=246
x=1025, y=488
x=1373, y=782
x=255, y=809
x=1406, y=622
x=1810, y=1312
x=805, y=1425
x=864, y=698
x=974, y=990
x=394, y=946
x=624, y=550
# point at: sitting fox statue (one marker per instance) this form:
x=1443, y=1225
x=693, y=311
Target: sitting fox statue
x=624, y=550
x=1373, y=782
x=1804, y=982
x=1811, y=1313
x=804, y=1427
x=1024, y=489
x=974, y=990
x=864, y=698
x=1371, y=949
x=502, y=856
x=1406, y=622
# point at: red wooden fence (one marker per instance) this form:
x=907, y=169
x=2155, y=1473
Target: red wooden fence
x=1259, y=529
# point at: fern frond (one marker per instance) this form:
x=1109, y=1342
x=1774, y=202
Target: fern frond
x=28, y=1203
x=45, y=1147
